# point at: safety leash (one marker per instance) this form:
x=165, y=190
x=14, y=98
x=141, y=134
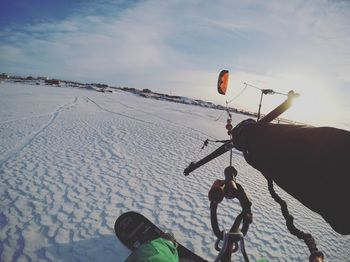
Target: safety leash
x=315, y=254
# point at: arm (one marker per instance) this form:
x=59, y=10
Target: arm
x=310, y=163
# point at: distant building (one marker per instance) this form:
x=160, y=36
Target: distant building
x=4, y=76
x=43, y=78
x=52, y=81
x=101, y=85
x=146, y=91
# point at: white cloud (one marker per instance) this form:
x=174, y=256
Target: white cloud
x=174, y=45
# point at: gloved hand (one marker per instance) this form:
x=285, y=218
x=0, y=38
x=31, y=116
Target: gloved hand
x=238, y=134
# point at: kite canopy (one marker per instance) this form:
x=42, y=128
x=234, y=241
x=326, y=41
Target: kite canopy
x=223, y=82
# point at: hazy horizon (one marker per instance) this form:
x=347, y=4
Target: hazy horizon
x=179, y=47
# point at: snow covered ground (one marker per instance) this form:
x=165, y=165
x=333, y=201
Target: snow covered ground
x=72, y=160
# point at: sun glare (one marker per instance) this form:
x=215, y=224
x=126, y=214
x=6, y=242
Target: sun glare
x=316, y=105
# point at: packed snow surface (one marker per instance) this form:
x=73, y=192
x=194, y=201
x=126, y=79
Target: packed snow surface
x=73, y=160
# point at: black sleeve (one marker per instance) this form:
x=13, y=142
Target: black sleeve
x=310, y=163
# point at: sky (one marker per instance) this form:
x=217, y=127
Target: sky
x=179, y=47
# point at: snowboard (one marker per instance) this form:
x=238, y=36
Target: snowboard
x=133, y=229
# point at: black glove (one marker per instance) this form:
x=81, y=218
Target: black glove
x=238, y=134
